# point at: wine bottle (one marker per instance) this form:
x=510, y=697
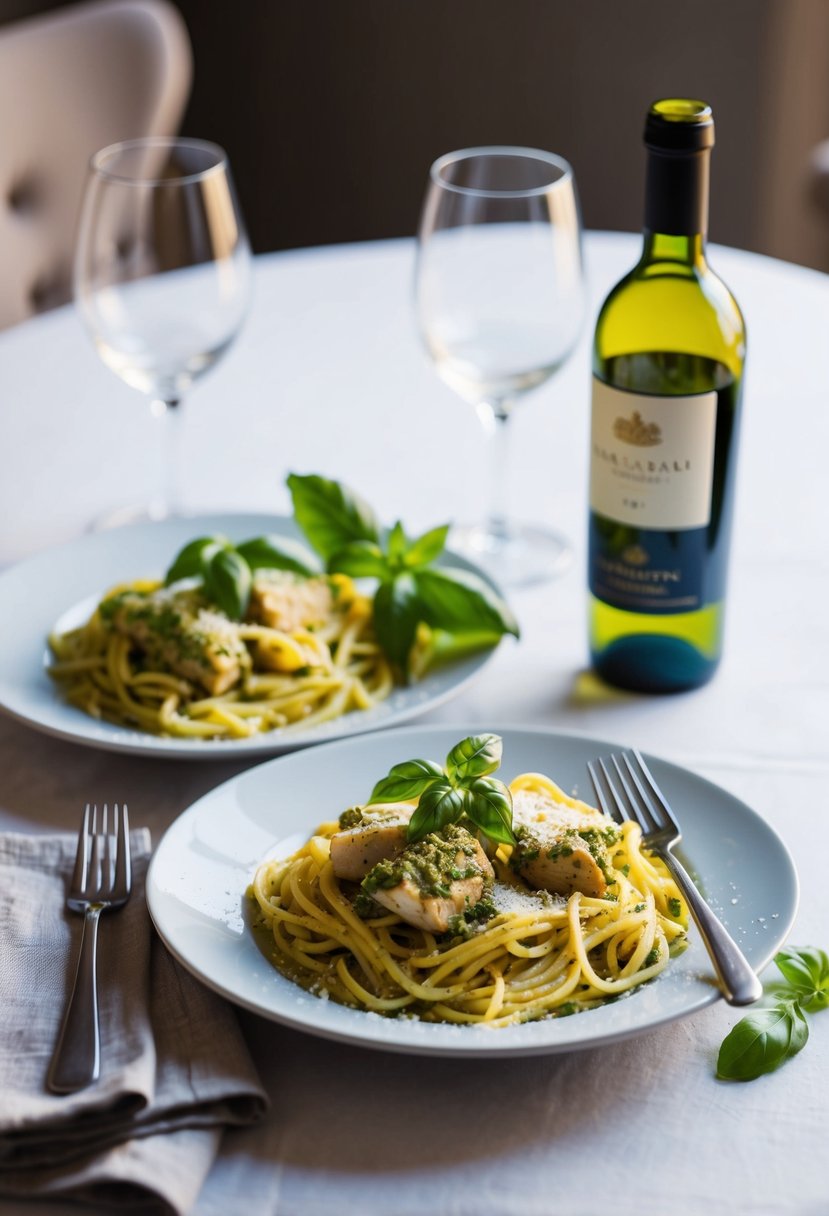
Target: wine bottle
x=668, y=360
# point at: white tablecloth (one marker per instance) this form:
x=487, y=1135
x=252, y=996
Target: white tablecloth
x=328, y=377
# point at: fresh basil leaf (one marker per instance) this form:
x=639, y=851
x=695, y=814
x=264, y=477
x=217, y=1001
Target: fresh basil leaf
x=278, y=553
x=396, y=614
x=762, y=1041
x=459, y=601
x=330, y=514
x=405, y=781
x=489, y=806
x=474, y=757
x=426, y=548
x=360, y=559
x=816, y=1002
x=439, y=805
x=800, y=1031
x=192, y=559
x=806, y=970
x=434, y=647
x=397, y=543
x=227, y=581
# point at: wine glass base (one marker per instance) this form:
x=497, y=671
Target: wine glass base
x=521, y=556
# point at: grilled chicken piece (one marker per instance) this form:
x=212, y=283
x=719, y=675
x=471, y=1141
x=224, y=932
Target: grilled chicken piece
x=562, y=847
x=428, y=904
x=561, y=867
x=381, y=836
x=179, y=634
x=283, y=601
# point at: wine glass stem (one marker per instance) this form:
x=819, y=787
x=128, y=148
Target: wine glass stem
x=168, y=500
x=495, y=416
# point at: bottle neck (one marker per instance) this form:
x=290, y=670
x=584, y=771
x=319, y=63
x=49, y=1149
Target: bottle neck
x=661, y=248
x=676, y=205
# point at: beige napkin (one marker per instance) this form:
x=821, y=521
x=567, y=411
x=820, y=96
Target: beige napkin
x=175, y=1069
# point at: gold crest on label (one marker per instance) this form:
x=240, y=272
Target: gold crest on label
x=636, y=431
x=635, y=555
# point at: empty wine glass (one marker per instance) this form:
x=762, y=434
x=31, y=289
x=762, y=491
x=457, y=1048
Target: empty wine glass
x=499, y=290
x=162, y=276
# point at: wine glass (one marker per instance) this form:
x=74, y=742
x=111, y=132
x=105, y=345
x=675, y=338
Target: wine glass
x=500, y=299
x=162, y=277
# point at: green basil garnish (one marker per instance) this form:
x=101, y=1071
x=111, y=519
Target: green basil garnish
x=455, y=791
x=343, y=529
x=461, y=612
x=774, y=1033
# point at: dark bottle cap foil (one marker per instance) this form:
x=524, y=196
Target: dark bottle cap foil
x=679, y=125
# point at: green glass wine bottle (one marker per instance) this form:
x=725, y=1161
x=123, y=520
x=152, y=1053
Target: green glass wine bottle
x=668, y=362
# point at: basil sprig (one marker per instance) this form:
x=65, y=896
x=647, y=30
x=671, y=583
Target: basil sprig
x=462, y=788
x=461, y=610
x=345, y=532
x=774, y=1033
x=226, y=570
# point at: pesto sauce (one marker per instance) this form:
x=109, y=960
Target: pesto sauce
x=466, y=922
x=432, y=863
x=368, y=908
x=597, y=841
x=352, y=818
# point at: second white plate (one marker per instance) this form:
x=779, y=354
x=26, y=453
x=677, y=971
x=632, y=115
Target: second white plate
x=51, y=587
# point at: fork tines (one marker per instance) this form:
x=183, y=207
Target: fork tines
x=630, y=791
x=102, y=861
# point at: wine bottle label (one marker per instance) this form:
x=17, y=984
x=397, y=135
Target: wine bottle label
x=652, y=458
x=651, y=478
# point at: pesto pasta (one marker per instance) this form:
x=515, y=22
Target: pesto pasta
x=165, y=660
x=514, y=953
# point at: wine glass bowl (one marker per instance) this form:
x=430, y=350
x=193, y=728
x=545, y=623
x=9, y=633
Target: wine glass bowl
x=499, y=290
x=162, y=273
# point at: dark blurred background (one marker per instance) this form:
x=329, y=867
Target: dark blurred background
x=332, y=110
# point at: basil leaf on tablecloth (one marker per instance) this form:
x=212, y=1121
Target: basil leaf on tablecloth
x=806, y=970
x=766, y=1038
x=762, y=1041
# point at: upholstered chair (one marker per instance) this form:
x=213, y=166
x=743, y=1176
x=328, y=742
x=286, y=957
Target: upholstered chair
x=71, y=82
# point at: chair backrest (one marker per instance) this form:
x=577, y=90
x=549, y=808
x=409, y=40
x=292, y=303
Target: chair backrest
x=72, y=82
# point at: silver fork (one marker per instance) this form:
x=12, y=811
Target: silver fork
x=630, y=792
x=101, y=881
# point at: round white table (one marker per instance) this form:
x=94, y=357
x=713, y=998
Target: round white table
x=328, y=377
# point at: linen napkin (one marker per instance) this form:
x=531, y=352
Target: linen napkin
x=175, y=1069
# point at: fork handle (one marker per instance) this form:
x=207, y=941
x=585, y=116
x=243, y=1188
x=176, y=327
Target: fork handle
x=77, y=1059
x=738, y=981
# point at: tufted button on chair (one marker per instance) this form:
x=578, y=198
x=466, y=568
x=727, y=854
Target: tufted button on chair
x=72, y=82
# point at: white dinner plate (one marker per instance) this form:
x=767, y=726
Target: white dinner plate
x=198, y=878
x=60, y=587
